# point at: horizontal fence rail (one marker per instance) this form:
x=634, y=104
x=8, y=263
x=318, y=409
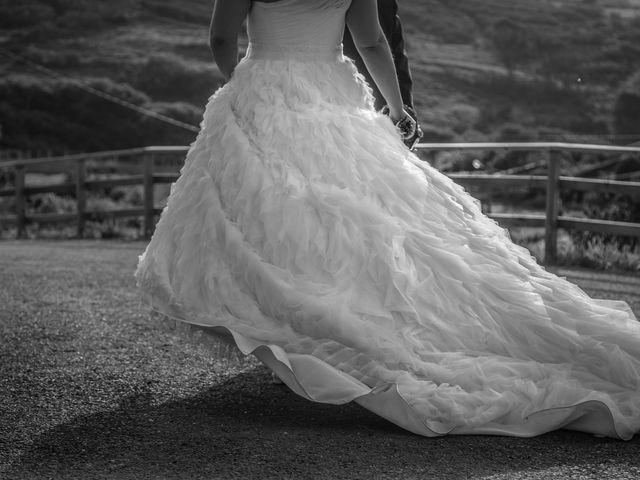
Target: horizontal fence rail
x=553, y=183
x=144, y=162
x=143, y=166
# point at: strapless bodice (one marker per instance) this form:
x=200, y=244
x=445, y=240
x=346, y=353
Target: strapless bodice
x=296, y=28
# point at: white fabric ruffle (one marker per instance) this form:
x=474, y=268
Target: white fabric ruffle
x=304, y=231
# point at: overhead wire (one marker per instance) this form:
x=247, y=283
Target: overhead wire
x=99, y=93
x=192, y=128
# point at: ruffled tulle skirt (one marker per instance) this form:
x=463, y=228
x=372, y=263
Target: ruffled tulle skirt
x=302, y=230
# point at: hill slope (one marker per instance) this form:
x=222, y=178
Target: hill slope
x=484, y=69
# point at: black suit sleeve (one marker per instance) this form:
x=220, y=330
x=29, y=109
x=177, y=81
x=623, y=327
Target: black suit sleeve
x=392, y=28
x=395, y=37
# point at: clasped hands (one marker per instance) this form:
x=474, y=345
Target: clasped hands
x=407, y=125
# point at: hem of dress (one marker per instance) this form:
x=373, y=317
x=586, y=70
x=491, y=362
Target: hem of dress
x=387, y=397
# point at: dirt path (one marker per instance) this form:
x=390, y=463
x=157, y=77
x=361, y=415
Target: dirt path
x=90, y=389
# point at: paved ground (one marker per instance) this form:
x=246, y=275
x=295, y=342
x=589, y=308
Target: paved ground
x=90, y=388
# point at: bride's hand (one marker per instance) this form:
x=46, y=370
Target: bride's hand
x=406, y=124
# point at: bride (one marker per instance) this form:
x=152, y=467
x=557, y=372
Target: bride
x=303, y=230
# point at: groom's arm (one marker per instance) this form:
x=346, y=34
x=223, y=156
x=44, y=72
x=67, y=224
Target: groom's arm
x=392, y=28
x=371, y=43
x=395, y=35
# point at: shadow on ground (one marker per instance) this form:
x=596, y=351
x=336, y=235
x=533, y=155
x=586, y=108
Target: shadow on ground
x=246, y=427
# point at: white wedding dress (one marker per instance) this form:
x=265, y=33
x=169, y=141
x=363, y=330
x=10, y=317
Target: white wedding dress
x=303, y=230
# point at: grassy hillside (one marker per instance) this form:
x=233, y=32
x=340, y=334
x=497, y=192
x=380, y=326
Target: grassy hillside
x=484, y=69
x=570, y=60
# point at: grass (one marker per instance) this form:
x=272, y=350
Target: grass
x=597, y=255
x=93, y=387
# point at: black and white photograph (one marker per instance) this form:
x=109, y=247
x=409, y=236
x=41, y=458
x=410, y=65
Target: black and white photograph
x=319, y=239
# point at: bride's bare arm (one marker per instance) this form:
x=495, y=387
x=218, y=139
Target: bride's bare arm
x=362, y=20
x=226, y=23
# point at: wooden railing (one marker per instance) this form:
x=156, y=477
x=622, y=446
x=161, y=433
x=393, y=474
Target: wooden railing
x=553, y=183
x=144, y=163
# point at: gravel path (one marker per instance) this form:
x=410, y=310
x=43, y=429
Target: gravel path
x=91, y=388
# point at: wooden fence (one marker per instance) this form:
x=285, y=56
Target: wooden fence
x=144, y=162
x=554, y=184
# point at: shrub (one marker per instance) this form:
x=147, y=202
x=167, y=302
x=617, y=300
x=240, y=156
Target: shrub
x=24, y=14
x=626, y=113
x=600, y=255
x=193, y=12
x=50, y=203
x=198, y=50
x=440, y=22
x=465, y=161
x=436, y=133
x=512, y=43
x=169, y=78
x=130, y=196
x=514, y=132
x=595, y=254
x=608, y=206
x=57, y=115
x=75, y=22
x=54, y=59
x=462, y=117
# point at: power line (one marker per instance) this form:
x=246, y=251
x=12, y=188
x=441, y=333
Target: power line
x=8, y=65
x=99, y=93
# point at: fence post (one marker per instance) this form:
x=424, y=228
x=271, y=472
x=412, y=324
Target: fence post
x=20, y=199
x=489, y=202
x=81, y=199
x=553, y=199
x=148, y=163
